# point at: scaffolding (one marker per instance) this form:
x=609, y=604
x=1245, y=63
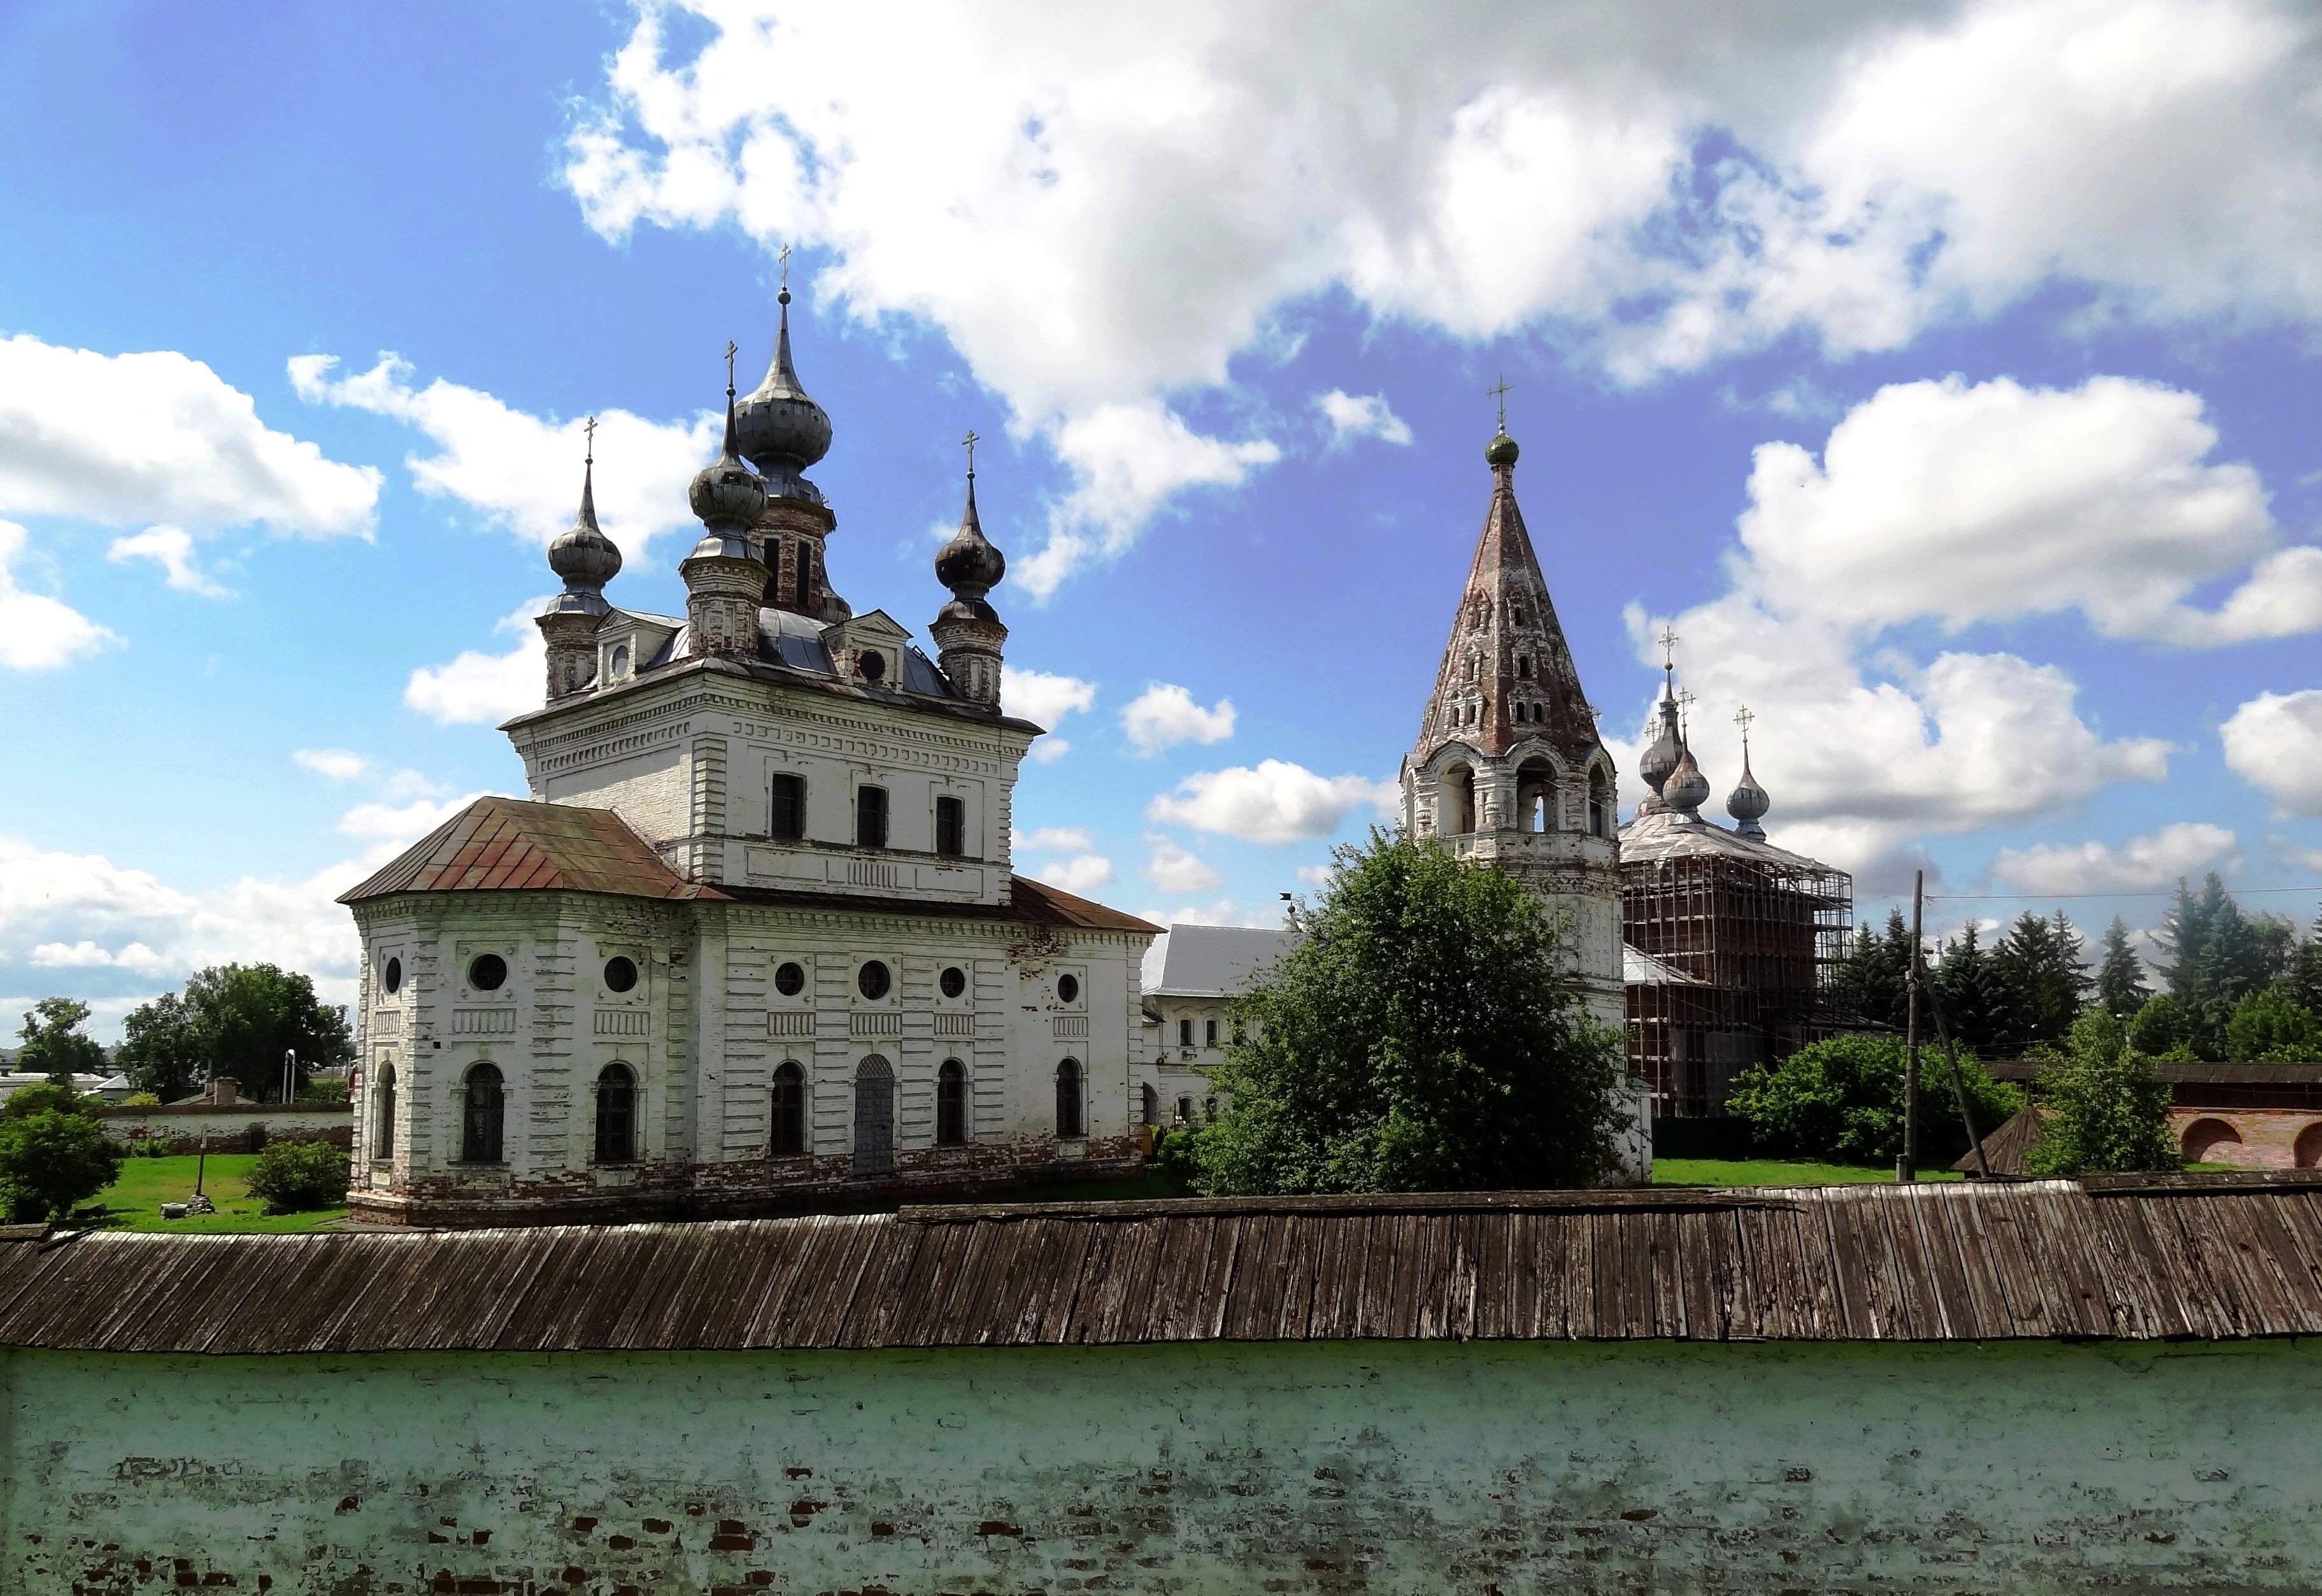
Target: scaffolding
x=1731, y=948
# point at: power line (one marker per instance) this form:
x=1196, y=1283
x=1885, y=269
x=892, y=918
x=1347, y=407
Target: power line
x=2059, y=896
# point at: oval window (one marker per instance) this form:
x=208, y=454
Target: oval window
x=955, y=982
x=392, y=978
x=620, y=974
x=790, y=980
x=620, y=662
x=1068, y=987
x=873, y=980
x=873, y=666
x=487, y=972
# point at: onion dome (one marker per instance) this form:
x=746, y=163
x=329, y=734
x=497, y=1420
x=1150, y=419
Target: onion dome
x=727, y=493
x=1748, y=803
x=1661, y=759
x=780, y=429
x=583, y=556
x=1686, y=788
x=970, y=565
x=1502, y=450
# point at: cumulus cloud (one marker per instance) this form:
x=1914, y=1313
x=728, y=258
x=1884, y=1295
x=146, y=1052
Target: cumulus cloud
x=172, y=549
x=520, y=471
x=1361, y=415
x=1083, y=874
x=1174, y=870
x=1052, y=839
x=37, y=632
x=2141, y=864
x=2274, y=742
x=1654, y=192
x=1224, y=911
x=1164, y=715
x=333, y=764
x=1044, y=699
x=480, y=687
x=1275, y=802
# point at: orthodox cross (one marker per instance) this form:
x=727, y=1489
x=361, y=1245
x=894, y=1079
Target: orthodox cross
x=1668, y=641
x=783, y=255
x=589, y=427
x=969, y=443
x=732, y=349
x=1685, y=703
x=1501, y=393
x=1743, y=718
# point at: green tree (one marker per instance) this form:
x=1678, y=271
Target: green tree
x=246, y=1016
x=1841, y=1099
x=1968, y=986
x=2269, y=1024
x=2163, y=1029
x=1870, y=981
x=2121, y=986
x=53, y=1043
x=42, y=1096
x=52, y=1163
x=2042, y=983
x=162, y=1050
x=1423, y=1036
x=2102, y=1109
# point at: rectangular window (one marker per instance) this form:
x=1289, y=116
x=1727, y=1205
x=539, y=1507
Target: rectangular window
x=870, y=817
x=951, y=828
x=1211, y=1038
x=1185, y=1033
x=788, y=818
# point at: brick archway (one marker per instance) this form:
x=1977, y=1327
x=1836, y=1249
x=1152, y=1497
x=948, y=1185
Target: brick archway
x=2204, y=1134
x=2308, y=1153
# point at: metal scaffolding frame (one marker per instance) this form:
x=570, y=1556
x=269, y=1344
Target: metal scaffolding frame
x=1739, y=950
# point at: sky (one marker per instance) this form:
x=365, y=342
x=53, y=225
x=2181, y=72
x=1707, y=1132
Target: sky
x=1942, y=374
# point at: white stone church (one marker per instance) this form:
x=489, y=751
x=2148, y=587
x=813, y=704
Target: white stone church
x=755, y=940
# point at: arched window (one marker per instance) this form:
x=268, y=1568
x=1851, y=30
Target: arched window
x=789, y=1111
x=482, y=1112
x=1460, y=800
x=874, y=1117
x=382, y=1136
x=951, y=1104
x=1070, y=1122
x=1600, y=804
x=1148, y=1104
x=616, y=1115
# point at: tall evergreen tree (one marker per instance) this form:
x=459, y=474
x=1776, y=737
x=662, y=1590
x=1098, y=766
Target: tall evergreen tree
x=2303, y=979
x=2121, y=986
x=1869, y=982
x=1967, y=985
x=2042, y=982
x=2182, y=935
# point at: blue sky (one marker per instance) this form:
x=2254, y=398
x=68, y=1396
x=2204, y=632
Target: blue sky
x=1947, y=377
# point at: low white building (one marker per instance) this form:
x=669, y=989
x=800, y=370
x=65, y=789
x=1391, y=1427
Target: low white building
x=1189, y=1009
x=755, y=940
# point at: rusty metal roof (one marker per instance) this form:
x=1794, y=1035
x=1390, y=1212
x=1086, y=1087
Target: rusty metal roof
x=2153, y=1258
x=498, y=844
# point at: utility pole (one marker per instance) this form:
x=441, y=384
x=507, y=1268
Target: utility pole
x=1906, y=1164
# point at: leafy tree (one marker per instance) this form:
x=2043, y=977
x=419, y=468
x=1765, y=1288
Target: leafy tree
x=162, y=1049
x=2042, y=982
x=1968, y=984
x=42, y=1096
x=2163, y=1028
x=2102, y=1109
x=2269, y=1024
x=297, y=1177
x=1423, y=1036
x=52, y=1162
x=53, y=1043
x=2121, y=988
x=245, y=1017
x=1842, y=1099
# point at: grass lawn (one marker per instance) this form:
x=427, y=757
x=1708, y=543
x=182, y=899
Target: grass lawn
x=1767, y=1171
x=133, y=1202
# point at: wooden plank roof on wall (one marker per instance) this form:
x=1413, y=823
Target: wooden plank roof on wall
x=2226, y=1258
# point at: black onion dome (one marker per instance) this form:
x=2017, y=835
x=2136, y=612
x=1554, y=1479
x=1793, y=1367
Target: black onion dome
x=583, y=556
x=1660, y=760
x=970, y=564
x=780, y=429
x=726, y=490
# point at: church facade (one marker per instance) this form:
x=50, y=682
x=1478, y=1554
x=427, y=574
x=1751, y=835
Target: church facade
x=755, y=940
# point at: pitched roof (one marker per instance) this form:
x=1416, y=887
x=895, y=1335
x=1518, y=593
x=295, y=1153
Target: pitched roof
x=1218, y=961
x=498, y=844
x=1658, y=834
x=1044, y=904
x=2135, y=1259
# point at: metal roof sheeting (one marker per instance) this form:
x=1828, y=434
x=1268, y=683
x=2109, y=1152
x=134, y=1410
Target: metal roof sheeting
x=2135, y=1259
x=1218, y=961
x=499, y=844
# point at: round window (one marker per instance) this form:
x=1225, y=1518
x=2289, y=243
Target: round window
x=790, y=980
x=955, y=982
x=1068, y=987
x=488, y=972
x=620, y=662
x=392, y=978
x=873, y=980
x=620, y=974
x=873, y=665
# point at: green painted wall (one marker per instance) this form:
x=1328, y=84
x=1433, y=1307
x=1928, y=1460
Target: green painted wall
x=1394, y=1467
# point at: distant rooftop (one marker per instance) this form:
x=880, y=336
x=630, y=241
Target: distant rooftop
x=1218, y=961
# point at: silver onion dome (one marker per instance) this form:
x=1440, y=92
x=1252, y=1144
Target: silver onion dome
x=780, y=429
x=1749, y=802
x=727, y=493
x=1660, y=760
x=970, y=564
x=583, y=556
x=1686, y=788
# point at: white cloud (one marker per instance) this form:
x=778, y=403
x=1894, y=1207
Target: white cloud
x=2274, y=742
x=37, y=632
x=1122, y=211
x=1174, y=870
x=522, y=471
x=1321, y=877
x=1083, y=874
x=1052, y=839
x=172, y=549
x=1225, y=911
x=480, y=688
x=1361, y=415
x=135, y=957
x=1044, y=700
x=1164, y=715
x=126, y=440
x=1276, y=802
x=401, y=822
x=334, y=764
x=2141, y=864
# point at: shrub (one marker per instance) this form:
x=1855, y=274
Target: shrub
x=42, y=1096
x=1842, y=1099
x=140, y=1100
x=330, y=1089
x=52, y=1163
x=2103, y=1111
x=296, y=1177
x=2269, y=1025
x=2163, y=1029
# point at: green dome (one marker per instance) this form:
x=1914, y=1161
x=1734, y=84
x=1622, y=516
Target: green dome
x=1501, y=451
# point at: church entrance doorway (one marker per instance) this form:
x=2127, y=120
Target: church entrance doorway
x=874, y=1117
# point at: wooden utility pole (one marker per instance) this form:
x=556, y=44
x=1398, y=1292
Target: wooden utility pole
x=1907, y=1162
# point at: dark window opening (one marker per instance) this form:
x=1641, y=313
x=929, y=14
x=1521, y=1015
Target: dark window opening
x=1210, y=1034
x=873, y=665
x=1523, y=666
x=874, y=1117
x=787, y=816
x=805, y=575
x=951, y=828
x=616, y=1116
x=1600, y=804
x=789, y=1111
x=790, y=980
x=488, y=972
x=1185, y=1033
x=953, y=982
x=1068, y=988
x=1069, y=1122
x=870, y=817
x=483, y=1114
x=1148, y=1104
x=620, y=974
x=1185, y=1110
x=873, y=980
x=392, y=978
x=382, y=1140
x=951, y=1104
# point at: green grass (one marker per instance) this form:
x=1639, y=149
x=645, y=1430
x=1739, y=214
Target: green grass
x=1768, y=1172
x=133, y=1202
